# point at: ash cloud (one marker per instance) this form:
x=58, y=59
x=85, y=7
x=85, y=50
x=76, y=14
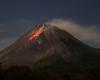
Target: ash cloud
x=84, y=33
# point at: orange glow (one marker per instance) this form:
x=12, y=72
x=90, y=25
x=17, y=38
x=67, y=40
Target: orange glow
x=36, y=34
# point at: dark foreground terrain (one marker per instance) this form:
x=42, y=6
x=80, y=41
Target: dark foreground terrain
x=48, y=53
x=24, y=73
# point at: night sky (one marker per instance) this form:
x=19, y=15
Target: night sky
x=19, y=16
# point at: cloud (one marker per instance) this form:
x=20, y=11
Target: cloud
x=11, y=31
x=15, y=28
x=4, y=42
x=84, y=33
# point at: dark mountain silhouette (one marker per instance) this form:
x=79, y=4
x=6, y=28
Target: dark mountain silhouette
x=47, y=45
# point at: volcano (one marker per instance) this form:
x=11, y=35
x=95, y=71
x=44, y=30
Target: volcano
x=46, y=45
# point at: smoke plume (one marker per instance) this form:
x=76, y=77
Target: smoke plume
x=84, y=33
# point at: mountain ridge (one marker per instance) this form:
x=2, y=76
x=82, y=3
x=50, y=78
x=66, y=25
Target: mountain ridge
x=45, y=41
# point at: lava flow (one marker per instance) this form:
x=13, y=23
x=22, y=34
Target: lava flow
x=35, y=35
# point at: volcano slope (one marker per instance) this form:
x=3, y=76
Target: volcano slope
x=51, y=51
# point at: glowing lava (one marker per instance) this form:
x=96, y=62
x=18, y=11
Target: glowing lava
x=35, y=35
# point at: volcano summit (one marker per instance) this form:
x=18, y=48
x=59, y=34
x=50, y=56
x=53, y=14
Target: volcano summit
x=47, y=45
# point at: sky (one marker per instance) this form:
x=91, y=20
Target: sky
x=19, y=16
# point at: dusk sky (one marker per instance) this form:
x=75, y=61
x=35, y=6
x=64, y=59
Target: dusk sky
x=19, y=16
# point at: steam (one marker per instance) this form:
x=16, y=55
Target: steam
x=85, y=33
